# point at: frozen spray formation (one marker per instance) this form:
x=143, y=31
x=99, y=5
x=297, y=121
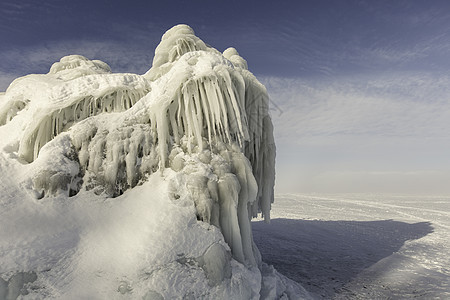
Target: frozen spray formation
x=197, y=111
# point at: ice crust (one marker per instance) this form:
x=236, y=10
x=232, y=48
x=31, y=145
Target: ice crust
x=197, y=113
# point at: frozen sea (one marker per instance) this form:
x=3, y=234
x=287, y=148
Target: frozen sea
x=360, y=246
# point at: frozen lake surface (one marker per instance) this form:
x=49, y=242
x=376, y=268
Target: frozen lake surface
x=360, y=246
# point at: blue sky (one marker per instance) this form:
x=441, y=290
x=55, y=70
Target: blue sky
x=360, y=89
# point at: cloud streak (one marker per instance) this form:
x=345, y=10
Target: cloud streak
x=364, y=133
x=5, y=80
x=389, y=105
x=122, y=57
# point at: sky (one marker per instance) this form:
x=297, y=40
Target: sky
x=359, y=90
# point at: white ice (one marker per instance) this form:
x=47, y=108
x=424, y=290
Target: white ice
x=361, y=246
x=139, y=185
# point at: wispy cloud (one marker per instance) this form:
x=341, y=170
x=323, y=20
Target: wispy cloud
x=122, y=57
x=126, y=47
x=5, y=80
x=362, y=133
x=390, y=105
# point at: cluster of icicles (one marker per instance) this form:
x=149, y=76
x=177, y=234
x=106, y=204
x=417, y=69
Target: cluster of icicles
x=197, y=111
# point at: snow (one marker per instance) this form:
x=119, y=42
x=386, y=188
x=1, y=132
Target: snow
x=141, y=186
x=360, y=246
x=119, y=186
x=126, y=186
x=86, y=245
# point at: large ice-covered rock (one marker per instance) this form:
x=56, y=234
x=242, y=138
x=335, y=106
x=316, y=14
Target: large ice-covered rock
x=198, y=120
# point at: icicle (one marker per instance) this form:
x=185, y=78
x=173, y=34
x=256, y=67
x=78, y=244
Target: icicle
x=188, y=117
x=206, y=110
x=247, y=195
x=173, y=122
x=206, y=118
x=229, y=189
x=34, y=137
x=198, y=115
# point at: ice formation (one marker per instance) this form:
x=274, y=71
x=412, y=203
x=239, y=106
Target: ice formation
x=197, y=113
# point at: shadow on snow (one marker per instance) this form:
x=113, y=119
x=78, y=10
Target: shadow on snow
x=320, y=254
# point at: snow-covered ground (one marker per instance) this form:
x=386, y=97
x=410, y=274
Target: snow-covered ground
x=360, y=246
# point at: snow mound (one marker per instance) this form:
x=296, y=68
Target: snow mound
x=196, y=128
x=80, y=64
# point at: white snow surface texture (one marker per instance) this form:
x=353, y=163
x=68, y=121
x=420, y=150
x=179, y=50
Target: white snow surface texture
x=125, y=186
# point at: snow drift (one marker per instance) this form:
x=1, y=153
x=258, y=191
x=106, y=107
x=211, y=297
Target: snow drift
x=198, y=120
